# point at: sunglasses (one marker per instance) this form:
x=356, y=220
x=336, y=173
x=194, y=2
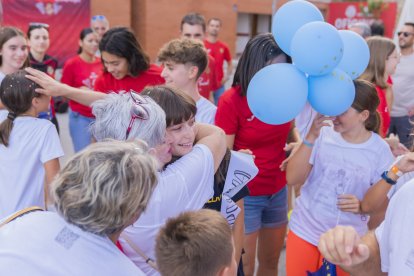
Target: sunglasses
x=406, y=34
x=138, y=111
x=38, y=25
x=98, y=17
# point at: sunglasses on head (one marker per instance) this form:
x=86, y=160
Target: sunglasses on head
x=138, y=111
x=98, y=17
x=406, y=34
x=38, y=25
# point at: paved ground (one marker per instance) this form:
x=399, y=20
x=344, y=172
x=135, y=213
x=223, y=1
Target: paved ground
x=68, y=149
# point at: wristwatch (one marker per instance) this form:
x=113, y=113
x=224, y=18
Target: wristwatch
x=387, y=179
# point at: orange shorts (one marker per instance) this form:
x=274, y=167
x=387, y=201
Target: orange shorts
x=302, y=256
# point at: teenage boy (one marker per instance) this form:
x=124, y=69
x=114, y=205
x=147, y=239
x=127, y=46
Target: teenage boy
x=196, y=243
x=184, y=61
x=193, y=26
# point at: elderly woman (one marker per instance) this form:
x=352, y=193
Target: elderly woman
x=101, y=191
x=184, y=185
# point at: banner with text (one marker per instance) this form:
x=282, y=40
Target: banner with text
x=66, y=19
x=343, y=14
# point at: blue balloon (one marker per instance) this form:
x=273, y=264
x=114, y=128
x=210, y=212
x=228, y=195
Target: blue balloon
x=356, y=54
x=317, y=48
x=331, y=94
x=277, y=93
x=289, y=18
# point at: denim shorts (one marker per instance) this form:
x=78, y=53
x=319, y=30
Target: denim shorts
x=269, y=211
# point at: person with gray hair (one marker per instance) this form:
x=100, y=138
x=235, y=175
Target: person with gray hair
x=361, y=28
x=100, y=191
x=106, y=125
x=184, y=185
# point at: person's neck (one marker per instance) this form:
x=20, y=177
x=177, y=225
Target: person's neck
x=357, y=135
x=407, y=51
x=38, y=56
x=7, y=69
x=211, y=38
x=29, y=113
x=86, y=57
x=192, y=90
x=115, y=236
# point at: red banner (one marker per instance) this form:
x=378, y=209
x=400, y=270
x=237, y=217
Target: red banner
x=343, y=14
x=66, y=19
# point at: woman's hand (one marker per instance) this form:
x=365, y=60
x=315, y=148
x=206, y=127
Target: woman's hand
x=406, y=163
x=247, y=151
x=349, y=203
x=50, y=86
x=292, y=147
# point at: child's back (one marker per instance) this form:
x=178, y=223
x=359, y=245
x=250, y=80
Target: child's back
x=29, y=147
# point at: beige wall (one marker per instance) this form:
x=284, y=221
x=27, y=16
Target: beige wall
x=157, y=21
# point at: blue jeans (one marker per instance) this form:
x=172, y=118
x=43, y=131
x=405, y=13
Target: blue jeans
x=217, y=94
x=269, y=211
x=79, y=130
x=402, y=126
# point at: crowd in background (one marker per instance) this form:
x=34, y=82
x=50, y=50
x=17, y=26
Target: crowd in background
x=159, y=144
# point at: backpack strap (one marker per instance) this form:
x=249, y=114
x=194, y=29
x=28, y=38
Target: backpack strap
x=21, y=213
x=147, y=259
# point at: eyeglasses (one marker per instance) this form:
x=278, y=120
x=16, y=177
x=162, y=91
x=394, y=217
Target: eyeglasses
x=98, y=17
x=406, y=34
x=38, y=25
x=138, y=111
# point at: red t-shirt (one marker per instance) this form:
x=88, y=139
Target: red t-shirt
x=265, y=141
x=79, y=73
x=383, y=111
x=107, y=83
x=220, y=52
x=207, y=82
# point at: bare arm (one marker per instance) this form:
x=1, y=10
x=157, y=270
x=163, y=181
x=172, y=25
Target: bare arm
x=358, y=256
x=52, y=87
x=230, y=141
x=229, y=71
x=214, y=138
x=376, y=196
x=298, y=167
x=52, y=168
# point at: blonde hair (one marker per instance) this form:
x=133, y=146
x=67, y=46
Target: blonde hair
x=380, y=49
x=194, y=243
x=105, y=187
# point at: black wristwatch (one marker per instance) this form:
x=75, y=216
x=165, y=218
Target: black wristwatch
x=384, y=176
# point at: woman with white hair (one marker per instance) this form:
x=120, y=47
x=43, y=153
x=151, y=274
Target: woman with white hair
x=184, y=185
x=101, y=191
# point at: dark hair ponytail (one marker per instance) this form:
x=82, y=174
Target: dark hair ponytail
x=16, y=93
x=366, y=98
x=82, y=36
x=5, y=130
x=373, y=123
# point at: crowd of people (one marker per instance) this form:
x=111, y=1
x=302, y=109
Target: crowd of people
x=173, y=175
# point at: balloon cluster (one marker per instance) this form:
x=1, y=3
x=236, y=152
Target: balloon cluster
x=325, y=61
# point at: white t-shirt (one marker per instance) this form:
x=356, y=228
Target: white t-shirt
x=43, y=243
x=33, y=142
x=395, y=234
x=2, y=76
x=339, y=167
x=403, y=87
x=206, y=111
x=185, y=185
